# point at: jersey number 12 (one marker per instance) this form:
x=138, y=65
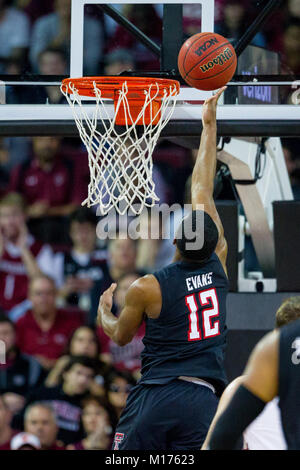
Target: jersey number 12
x=210, y=328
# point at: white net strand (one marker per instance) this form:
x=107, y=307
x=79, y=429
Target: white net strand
x=121, y=164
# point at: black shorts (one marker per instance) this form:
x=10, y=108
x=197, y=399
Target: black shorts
x=173, y=416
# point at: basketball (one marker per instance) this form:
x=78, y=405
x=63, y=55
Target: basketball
x=207, y=61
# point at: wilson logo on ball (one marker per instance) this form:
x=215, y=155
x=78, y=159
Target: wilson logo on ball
x=206, y=46
x=219, y=60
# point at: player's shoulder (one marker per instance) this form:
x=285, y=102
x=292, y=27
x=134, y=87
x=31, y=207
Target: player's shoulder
x=145, y=283
x=265, y=353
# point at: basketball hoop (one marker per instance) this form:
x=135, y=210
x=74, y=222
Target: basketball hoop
x=120, y=158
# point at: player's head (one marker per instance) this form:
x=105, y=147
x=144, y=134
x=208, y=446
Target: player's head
x=197, y=236
x=288, y=311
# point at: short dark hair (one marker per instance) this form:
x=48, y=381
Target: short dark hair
x=4, y=319
x=288, y=311
x=82, y=215
x=83, y=361
x=207, y=230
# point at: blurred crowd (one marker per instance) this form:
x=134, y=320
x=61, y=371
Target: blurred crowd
x=64, y=383
x=35, y=35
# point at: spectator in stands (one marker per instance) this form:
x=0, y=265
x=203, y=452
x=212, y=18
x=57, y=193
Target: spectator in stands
x=66, y=399
x=147, y=20
x=40, y=420
x=118, y=386
x=235, y=15
x=21, y=256
x=121, y=257
x=35, y=8
x=82, y=269
x=44, y=330
x=290, y=58
x=51, y=185
x=98, y=426
x=6, y=432
x=83, y=342
x=13, y=150
x=117, y=61
x=294, y=8
x=14, y=33
x=25, y=441
x=124, y=358
x=20, y=373
x=51, y=61
x=53, y=30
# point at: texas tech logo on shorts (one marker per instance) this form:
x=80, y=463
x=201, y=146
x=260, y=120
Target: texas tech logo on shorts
x=119, y=436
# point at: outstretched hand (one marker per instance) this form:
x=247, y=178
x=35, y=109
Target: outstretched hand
x=106, y=301
x=209, y=109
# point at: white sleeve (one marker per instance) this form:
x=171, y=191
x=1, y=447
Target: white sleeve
x=51, y=264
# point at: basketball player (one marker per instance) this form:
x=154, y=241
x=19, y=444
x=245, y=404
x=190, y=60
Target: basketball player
x=184, y=307
x=272, y=370
x=265, y=432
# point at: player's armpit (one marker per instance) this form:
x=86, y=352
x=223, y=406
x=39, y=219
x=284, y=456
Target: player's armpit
x=261, y=373
x=131, y=315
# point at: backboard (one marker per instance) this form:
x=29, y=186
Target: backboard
x=261, y=99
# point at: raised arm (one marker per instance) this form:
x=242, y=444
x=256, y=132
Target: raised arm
x=205, y=169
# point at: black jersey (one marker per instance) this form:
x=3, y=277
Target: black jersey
x=188, y=338
x=289, y=383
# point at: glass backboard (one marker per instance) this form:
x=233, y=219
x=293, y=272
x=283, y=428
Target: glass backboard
x=80, y=37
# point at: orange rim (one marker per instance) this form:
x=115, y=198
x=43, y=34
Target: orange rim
x=109, y=85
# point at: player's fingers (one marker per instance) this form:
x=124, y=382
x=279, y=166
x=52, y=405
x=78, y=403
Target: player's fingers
x=219, y=92
x=113, y=287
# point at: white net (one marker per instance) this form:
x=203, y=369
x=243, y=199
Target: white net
x=121, y=163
